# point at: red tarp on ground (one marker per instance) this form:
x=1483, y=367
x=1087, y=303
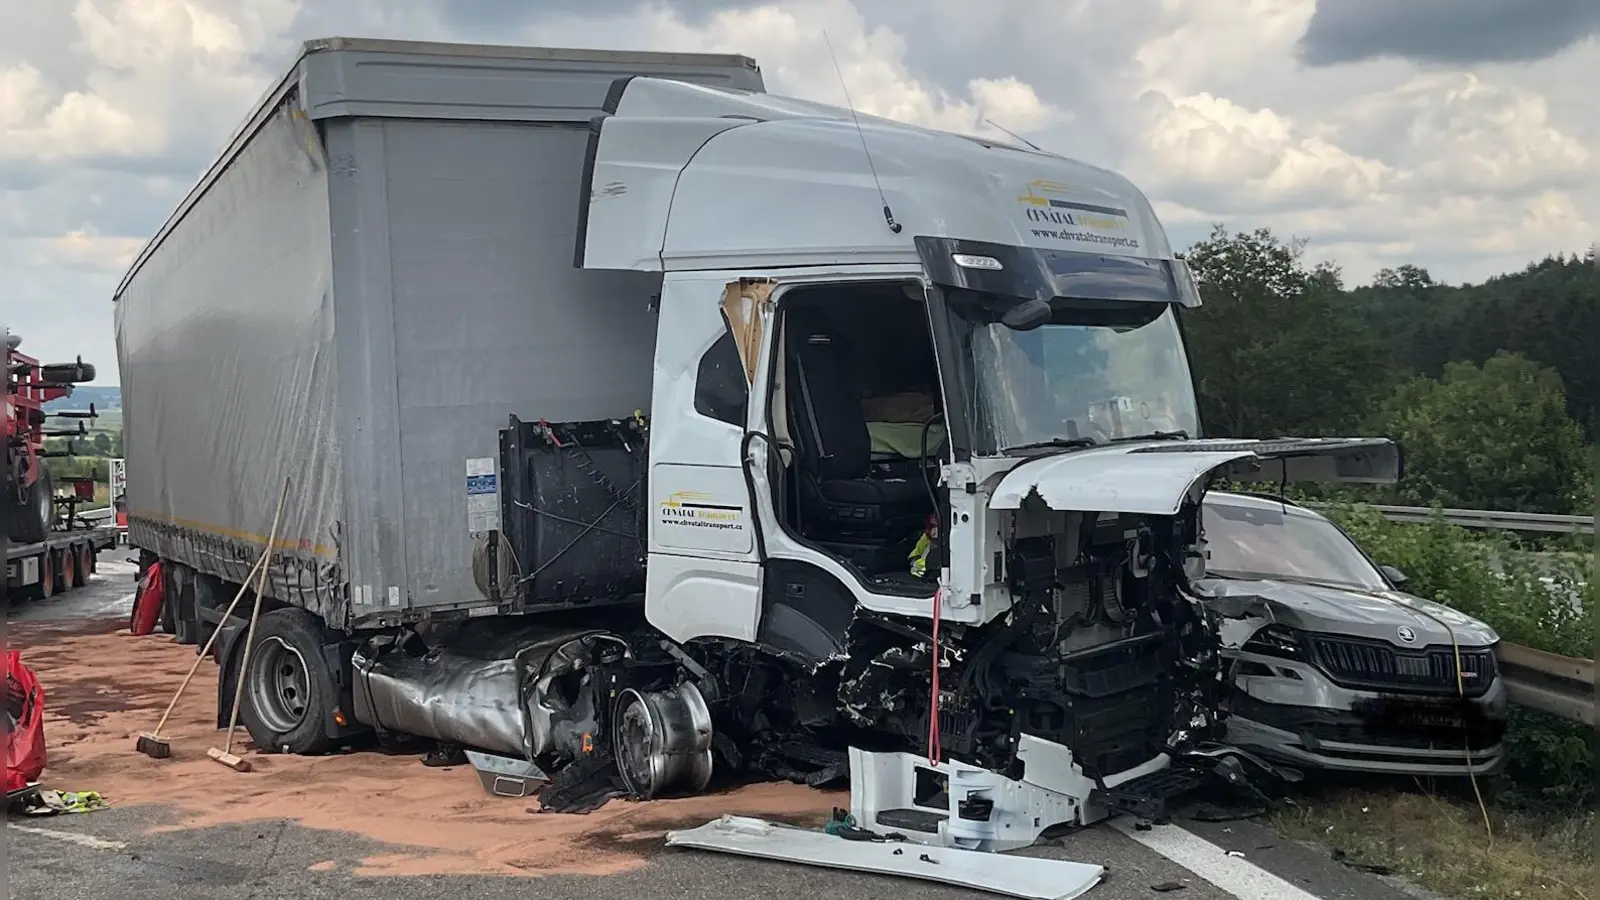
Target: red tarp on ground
x=147, y=609
x=25, y=756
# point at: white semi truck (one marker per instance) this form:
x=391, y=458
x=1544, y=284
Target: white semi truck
x=640, y=423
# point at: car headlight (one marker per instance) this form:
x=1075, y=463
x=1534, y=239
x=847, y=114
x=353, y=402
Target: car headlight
x=1278, y=641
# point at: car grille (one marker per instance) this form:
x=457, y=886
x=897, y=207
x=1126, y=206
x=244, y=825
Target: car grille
x=1370, y=664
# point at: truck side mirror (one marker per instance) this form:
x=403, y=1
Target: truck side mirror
x=1395, y=576
x=1027, y=315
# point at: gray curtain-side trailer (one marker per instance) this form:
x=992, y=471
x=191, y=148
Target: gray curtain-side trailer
x=371, y=278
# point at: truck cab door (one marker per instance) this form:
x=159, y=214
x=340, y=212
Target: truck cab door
x=704, y=577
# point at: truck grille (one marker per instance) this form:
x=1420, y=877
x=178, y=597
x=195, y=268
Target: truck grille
x=1371, y=664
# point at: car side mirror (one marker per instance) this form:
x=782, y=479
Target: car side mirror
x=1395, y=576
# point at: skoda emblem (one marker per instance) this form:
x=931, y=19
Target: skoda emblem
x=1406, y=635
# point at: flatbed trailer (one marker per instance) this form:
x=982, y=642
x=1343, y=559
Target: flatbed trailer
x=61, y=562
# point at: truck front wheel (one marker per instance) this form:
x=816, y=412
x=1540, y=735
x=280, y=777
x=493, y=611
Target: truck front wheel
x=289, y=693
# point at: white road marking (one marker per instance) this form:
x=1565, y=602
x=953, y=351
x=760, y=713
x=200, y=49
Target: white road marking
x=1243, y=879
x=82, y=840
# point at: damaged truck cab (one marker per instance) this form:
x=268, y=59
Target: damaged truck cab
x=803, y=444
x=923, y=447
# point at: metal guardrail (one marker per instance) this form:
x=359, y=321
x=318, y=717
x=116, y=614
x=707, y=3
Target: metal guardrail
x=1559, y=685
x=1491, y=519
x=96, y=515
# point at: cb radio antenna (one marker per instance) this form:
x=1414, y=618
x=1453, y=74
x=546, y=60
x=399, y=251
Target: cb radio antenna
x=991, y=123
x=888, y=214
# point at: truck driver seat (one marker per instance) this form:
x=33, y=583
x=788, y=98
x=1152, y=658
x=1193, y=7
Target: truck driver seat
x=839, y=496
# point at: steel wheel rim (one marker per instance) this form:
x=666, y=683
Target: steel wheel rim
x=638, y=760
x=279, y=685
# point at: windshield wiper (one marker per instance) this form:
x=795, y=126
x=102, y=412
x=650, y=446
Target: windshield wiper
x=1152, y=436
x=1060, y=443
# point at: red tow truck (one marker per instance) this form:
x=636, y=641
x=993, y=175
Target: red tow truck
x=51, y=544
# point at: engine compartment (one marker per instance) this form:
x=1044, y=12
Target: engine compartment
x=1104, y=651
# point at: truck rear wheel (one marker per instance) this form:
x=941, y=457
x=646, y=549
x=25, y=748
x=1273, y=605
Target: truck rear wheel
x=289, y=693
x=46, y=588
x=168, y=620
x=67, y=569
x=86, y=562
x=33, y=519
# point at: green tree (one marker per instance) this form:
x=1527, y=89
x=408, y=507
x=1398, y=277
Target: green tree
x=1275, y=347
x=1490, y=437
x=1548, y=312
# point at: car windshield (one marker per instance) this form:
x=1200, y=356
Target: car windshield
x=1268, y=543
x=1095, y=371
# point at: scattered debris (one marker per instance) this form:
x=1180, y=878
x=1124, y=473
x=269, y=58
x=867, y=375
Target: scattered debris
x=1167, y=887
x=504, y=776
x=1212, y=812
x=445, y=755
x=1013, y=876
x=1341, y=856
x=40, y=802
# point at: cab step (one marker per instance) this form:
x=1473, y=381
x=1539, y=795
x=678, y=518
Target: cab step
x=1148, y=795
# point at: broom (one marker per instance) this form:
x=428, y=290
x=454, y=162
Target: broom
x=151, y=743
x=226, y=756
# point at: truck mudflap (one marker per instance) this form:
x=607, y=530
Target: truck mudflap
x=1156, y=477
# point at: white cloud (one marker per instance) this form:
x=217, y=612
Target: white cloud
x=109, y=108
x=85, y=249
x=1458, y=133
x=1210, y=151
x=793, y=45
x=157, y=73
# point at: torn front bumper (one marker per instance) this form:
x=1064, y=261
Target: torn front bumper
x=951, y=804
x=1310, y=722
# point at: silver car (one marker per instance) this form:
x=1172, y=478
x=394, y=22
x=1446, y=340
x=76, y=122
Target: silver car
x=1334, y=667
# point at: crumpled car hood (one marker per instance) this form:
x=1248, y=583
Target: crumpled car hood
x=1378, y=615
x=1155, y=477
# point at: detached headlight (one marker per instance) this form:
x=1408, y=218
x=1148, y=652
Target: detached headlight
x=1278, y=641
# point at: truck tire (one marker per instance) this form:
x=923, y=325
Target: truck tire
x=33, y=520
x=67, y=373
x=46, y=588
x=86, y=561
x=168, y=620
x=66, y=569
x=289, y=693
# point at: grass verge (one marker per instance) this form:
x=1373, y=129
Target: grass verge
x=1441, y=844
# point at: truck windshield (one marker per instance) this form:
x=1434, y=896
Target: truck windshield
x=1095, y=371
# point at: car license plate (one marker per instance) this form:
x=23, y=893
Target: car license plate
x=1430, y=718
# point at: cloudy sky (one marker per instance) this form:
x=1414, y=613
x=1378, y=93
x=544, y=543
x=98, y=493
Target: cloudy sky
x=1462, y=135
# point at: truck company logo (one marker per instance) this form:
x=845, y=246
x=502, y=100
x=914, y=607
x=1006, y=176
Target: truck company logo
x=1055, y=218
x=691, y=509
x=1043, y=204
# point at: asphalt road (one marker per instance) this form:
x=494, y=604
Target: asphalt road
x=121, y=852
